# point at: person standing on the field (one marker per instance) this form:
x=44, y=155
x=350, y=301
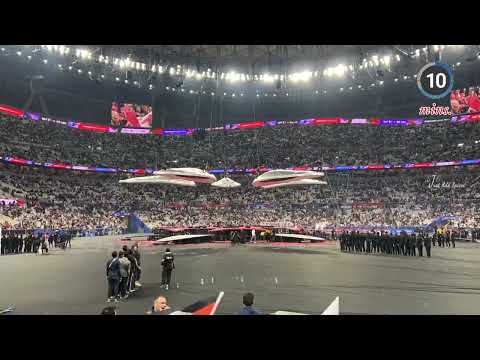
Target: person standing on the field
x=420, y=244
x=168, y=264
x=428, y=244
x=113, y=277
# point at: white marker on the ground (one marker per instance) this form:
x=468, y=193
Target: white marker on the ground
x=213, y=280
x=241, y=278
x=202, y=282
x=275, y=280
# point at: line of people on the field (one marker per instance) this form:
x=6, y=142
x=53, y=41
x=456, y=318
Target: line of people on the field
x=15, y=242
x=123, y=272
x=385, y=243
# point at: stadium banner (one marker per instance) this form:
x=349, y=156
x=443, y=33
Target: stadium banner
x=131, y=115
x=9, y=110
x=91, y=127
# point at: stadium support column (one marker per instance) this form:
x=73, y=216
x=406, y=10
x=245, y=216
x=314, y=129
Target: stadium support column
x=36, y=91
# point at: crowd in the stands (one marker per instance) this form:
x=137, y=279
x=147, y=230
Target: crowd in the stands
x=276, y=147
x=69, y=199
x=388, y=198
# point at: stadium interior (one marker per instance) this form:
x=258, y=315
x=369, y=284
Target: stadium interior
x=365, y=155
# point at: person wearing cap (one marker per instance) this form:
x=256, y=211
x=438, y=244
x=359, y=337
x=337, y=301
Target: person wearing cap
x=168, y=265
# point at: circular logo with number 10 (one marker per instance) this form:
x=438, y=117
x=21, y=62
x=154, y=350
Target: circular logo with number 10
x=435, y=80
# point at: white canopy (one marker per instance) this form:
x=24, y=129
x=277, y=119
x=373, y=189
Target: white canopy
x=157, y=179
x=275, y=178
x=174, y=176
x=226, y=183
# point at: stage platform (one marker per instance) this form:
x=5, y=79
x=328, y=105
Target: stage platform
x=301, y=279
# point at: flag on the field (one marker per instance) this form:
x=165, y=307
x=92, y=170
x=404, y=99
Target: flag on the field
x=206, y=306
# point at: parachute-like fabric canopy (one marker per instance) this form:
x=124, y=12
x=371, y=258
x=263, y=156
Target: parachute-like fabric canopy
x=226, y=183
x=174, y=176
x=277, y=178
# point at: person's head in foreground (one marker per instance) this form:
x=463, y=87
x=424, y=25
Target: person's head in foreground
x=248, y=308
x=109, y=310
x=114, y=254
x=159, y=305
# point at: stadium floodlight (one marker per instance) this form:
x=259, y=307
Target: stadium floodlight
x=233, y=95
x=460, y=145
x=3, y=49
x=350, y=88
x=160, y=69
x=316, y=91
x=61, y=49
x=79, y=71
x=117, y=78
x=381, y=82
x=102, y=76
x=339, y=70
x=49, y=47
x=213, y=94
x=458, y=64
x=286, y=94
x=29, y=57
x=19, y=53
x=150, y=86
x=89, y=73
x=386, y=60
x=341, y=89
x=224, y=94
x=258, y=95
x=417, y=52
x=241, y=94
x=70, y=68
x=45, y=61
x=396, y=79
x=172, y=71
x=126, y=81
x=435, y=47
x=397, y=57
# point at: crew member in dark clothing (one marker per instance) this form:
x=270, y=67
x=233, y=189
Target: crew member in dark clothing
x=168, y=264
x=133, y=269
x=420, y=244
x=447, y=239
x=113, y=277
x=136, y=255
x=412, y=243
x=428, y=245
x=452, y=238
